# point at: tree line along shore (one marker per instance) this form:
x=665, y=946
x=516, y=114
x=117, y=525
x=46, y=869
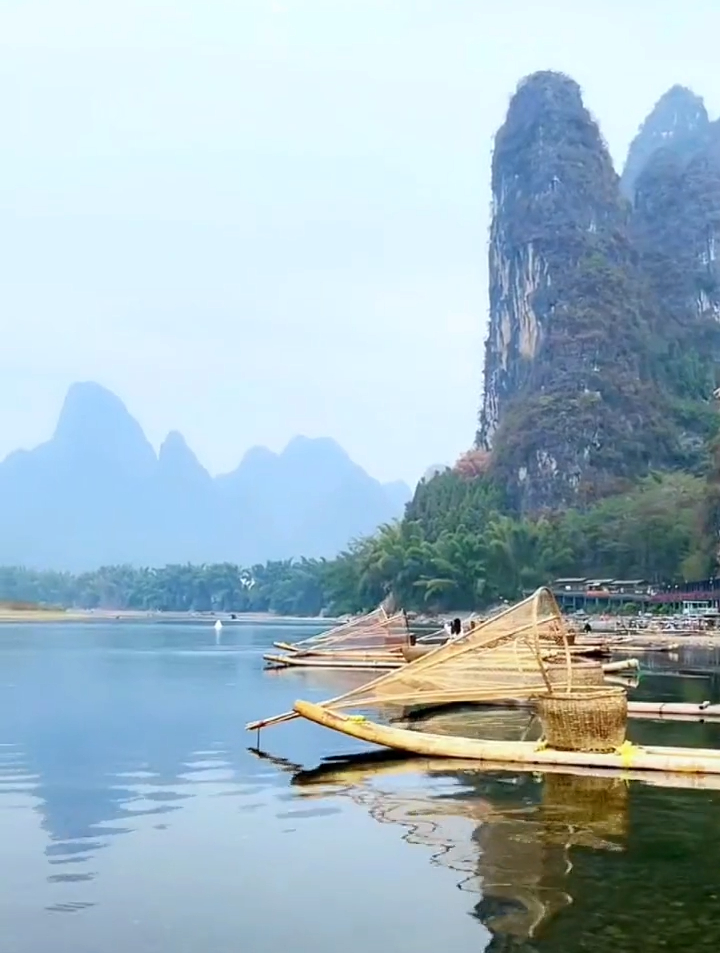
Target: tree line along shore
x=457, y=549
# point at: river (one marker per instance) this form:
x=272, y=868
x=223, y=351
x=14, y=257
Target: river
x=133, y=816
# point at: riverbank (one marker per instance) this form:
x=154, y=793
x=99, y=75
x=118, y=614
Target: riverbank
x=34, y=616
x=640, y=638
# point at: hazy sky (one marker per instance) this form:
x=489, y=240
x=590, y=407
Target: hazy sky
x=252, y=219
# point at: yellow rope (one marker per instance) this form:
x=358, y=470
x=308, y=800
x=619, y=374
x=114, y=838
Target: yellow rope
x=626, y=751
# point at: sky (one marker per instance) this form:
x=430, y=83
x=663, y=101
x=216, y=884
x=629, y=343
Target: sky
x=252, y=219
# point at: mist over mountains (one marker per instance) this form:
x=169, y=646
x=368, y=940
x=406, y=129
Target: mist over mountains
x=97, y=493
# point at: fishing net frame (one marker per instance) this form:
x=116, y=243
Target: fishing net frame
x=375, y=632
x=503, y=657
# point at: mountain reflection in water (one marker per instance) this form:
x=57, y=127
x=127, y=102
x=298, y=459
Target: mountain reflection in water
x=129, y=800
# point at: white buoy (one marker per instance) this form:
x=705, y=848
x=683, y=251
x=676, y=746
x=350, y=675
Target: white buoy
x=218, y=625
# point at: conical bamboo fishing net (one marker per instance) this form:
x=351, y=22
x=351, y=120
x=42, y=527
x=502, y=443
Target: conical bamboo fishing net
x=375, y=631
x=504, y=657
x=495, y=658
x=372, y=618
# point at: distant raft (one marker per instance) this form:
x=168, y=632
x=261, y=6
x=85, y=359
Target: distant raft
x=375, y=637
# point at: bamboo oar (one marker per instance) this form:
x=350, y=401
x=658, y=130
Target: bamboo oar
x=286, y=716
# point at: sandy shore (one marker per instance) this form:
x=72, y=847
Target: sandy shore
x=15, y=616
x=38, y=615
x=641, y=639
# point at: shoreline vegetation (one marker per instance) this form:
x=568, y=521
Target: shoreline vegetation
x=457, y=549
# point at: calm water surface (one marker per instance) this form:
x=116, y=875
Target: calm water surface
x=133, y=816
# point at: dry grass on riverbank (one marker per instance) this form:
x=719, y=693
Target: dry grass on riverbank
x=13, y=613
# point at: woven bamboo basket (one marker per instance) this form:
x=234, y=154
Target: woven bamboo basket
x=584, y=674
x=578, y=717
x=584, y=719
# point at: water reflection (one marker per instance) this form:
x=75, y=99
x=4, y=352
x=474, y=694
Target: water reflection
x=107, y=730
x=524, y=843
x=515, y=852
x=124, y=774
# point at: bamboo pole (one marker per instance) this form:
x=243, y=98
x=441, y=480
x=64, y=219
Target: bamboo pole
x=703, y=709
x=626, y=665
x=363, y=665
x=690, y=760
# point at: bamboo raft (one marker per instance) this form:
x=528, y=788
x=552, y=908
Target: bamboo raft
x=652, y=758
x=396, y=657
x=501, y=657
x=411, y=653
x=354, y=769
x=517, y=654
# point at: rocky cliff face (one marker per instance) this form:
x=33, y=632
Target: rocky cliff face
x=678, y=121
x=672, y=177
x=675, y=227
x=570, y=406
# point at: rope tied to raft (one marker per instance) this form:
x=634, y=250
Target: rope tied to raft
x=627, y=750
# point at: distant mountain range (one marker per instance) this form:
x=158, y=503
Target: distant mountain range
x=97, y=493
